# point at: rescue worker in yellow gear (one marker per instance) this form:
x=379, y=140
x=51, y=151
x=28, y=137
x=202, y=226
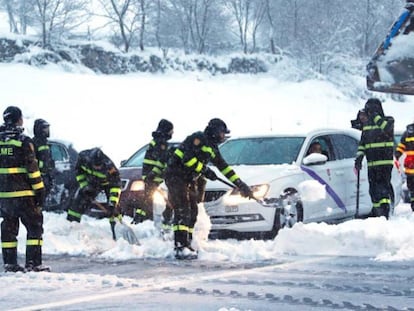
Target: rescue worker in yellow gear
x=95, y=172
x=377, y=144
x=22, y=194
x=406, y=145
x=185, y=180
x=41, y=130
x=155, y=162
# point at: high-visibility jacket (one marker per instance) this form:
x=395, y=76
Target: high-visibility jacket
x=406, y=145
x=104, y=177
x=190, y=159
x=377, y=141
x=155, y=160
x=19, y=172
x=44, y=155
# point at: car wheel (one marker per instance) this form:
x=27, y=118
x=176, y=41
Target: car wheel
x=289, y=214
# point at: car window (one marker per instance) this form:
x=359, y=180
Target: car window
x=59, y=152
x=260, y=151
x=326, y=146
x=397, y=138
x=345, y=146
x=136, y=159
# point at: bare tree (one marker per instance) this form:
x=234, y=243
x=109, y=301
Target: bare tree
x=203, y=12
x=58, y=17
x=8, y=5
x=142, y=7
x=18, y=13
x=248, y=15
x=122, y=14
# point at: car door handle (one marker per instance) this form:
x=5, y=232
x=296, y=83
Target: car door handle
x=339, y=173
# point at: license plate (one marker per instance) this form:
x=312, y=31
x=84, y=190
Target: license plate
x=231, y=209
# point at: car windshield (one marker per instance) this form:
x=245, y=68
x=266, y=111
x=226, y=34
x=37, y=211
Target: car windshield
x=261, y=151
x=136, y=159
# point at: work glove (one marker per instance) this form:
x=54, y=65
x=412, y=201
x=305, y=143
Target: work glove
x=244, y=189
x=358, y=162
x=209, y=174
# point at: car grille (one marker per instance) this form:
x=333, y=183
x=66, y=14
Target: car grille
x=210, y=196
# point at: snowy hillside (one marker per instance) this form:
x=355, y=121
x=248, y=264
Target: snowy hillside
x=119, y=113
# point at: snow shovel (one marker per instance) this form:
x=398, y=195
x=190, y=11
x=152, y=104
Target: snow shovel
x=126, y=232
x=272, y=203
x=234, y=187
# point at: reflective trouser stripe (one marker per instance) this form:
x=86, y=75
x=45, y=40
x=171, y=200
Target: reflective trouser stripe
x=9, y=244
x=382, y=201
x=34, y=242
x=166, y=226
x=381, y=162
x=139, y=211
x=74, y=214
x=180, y=228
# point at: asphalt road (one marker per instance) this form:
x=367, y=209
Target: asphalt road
x=289, y=283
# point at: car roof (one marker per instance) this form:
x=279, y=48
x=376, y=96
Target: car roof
x=315, y=132
x=68, y=144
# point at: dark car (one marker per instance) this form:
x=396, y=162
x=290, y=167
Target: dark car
x=65, y=157
x=132, y=192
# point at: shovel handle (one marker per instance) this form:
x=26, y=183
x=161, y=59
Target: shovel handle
x=226, y=182
x=234, y=187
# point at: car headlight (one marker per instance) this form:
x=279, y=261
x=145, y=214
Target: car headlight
x=159, y=197
x=259, y=191
x=137, y=185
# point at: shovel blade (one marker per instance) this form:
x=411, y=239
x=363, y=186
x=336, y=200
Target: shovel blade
x=127, y=233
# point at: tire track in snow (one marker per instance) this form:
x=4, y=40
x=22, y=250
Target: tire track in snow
x=151, y=284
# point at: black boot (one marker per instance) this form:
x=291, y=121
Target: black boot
x=8, y=267
x=39, y=268
x=10, y=260
x=34, y=259
x=9, y=254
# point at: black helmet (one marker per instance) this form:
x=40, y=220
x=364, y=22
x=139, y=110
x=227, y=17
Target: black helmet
x=11, y=115
x=373, y=105
x=97, y=156
x=164, y=126
x=164, y=129
x=214, y=128
x=41, y=128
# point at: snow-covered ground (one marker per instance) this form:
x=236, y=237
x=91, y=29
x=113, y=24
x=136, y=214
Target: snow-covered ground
x=118, y=113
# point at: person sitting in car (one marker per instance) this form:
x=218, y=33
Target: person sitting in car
x=315, y=147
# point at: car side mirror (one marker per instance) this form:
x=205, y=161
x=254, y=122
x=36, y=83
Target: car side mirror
x=315, y=159
x=123, y=162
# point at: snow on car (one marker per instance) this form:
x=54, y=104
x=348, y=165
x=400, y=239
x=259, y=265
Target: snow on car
x=290, y=184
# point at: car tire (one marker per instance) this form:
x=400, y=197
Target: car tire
x=285, y=217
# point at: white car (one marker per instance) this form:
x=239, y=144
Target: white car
x=289, y=184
